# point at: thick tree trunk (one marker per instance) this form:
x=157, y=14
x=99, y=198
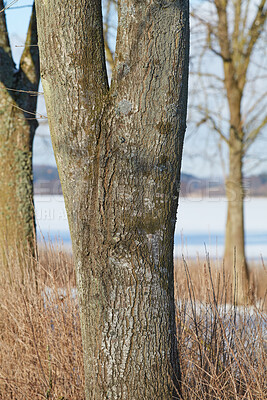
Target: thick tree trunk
x=234, y=255
x=17, y=127
x=118, y=152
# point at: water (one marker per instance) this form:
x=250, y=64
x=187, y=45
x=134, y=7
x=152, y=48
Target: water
x=200, y=225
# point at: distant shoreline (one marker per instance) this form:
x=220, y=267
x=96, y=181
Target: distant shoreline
x=46, y=182
x=195, y=196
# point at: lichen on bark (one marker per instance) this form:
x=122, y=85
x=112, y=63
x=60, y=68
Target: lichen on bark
x=118, y=153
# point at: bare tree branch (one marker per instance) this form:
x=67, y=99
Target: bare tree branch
x=209, y=118
x=223, y=31
x=236, y=31
x=109, y=54
x=252, y=37
x=29, y=62
x=6, y=61
x=256, y=27
x=254, y=133
x=255, y=104
x=4, y=39
x=207, y=75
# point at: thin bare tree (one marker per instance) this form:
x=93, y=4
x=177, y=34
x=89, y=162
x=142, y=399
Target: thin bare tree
x=228, y=55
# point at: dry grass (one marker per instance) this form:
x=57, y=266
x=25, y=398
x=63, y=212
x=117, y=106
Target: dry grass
x=40, y=343
x=202, y=273
x=222, y=348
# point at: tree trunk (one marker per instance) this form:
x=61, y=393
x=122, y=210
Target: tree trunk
x=118, y=152
x=17, y=125
x=234, y=255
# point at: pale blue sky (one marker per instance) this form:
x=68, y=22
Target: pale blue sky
x=201, y=155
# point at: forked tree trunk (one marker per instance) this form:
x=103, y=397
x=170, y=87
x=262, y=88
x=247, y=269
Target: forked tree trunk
x=234, y=256
x=17, y=128
x=118, y=152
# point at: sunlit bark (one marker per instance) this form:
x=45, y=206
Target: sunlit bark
x=118, y=152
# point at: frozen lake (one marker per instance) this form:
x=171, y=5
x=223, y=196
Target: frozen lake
x=200, y=222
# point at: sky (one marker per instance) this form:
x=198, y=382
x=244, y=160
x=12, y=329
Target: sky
x=201, y=153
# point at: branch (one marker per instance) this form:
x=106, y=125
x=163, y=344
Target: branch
x=256, y=103
x=211, y=31
x=236, y=31
x=29, y=63
x=215, y=127
x=207, y=75
x=223, y=36
x=6, y=61
x=219, y=54
x=109, y=54
x=256, y=27
x=73, y=70
x=28, y=75
x=254, y=133
x=253, y=35
x=4, y=39
x=71, y=45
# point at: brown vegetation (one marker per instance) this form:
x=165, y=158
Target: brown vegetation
x=41, y=350
x=222, y=347
x=205, y=275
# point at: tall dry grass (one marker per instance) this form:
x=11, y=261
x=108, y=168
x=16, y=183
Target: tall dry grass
x=40, y=342
x=222, y=347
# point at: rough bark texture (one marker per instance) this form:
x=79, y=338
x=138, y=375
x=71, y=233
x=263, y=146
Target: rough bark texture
x=118, y=152
x=17, y=128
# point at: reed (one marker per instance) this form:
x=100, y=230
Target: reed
x=222, y=347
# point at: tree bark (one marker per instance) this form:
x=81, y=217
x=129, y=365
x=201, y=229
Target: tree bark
x=234, y=255
x=234, y=81
x=17, y=126
x=118, y=152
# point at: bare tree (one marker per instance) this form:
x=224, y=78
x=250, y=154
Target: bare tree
x=232, y=103
x=118, y=151
x=18, y=99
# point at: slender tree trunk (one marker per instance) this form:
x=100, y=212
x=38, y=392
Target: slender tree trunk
x=236, y=57
x=234, y=255
x=118, y=152
x=17, y=127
